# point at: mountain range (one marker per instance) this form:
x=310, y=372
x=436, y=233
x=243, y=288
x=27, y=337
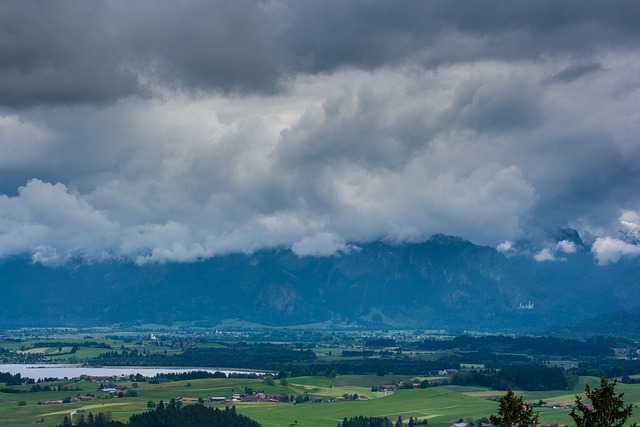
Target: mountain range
x=443, y=283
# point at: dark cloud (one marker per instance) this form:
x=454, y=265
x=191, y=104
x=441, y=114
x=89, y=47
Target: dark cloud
x=580, y=172
x=59, y=53
x=506, y=103
x=355, y=128
x=574, y=72
x=224, y=46
x=79, y=52
x=163, y=130
x=326, y=36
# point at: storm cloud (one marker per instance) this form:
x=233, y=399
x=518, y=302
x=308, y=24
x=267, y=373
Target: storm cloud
x=163, y=131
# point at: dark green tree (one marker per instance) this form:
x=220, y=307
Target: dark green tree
x=361, y=421
x=513, y=410
x=607, y=408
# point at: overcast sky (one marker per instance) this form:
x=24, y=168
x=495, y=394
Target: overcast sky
x=158, y=131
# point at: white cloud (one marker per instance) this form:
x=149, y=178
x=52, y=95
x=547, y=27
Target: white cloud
x=178, y=252
x=21, y=142
x=49, y=256
x=566, y=246
x=505, y=246
x=53, y=224
x=554, y=252
x=630, y=217
x=608, y=249
x=320, y=244
x=545, y=255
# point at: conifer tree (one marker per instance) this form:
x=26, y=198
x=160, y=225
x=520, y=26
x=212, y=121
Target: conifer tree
x=513, y=410
x=607, y=408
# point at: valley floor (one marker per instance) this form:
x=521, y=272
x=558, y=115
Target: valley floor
x=441, y=406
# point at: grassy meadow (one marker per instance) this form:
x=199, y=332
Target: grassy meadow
x=442, y=406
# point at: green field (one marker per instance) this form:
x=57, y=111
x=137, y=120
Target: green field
x=442, y=406
x=439, y=405
x=66, y=354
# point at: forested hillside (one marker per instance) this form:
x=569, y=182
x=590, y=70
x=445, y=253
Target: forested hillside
x=443, y=282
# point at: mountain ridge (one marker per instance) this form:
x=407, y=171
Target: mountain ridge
x=445, y=282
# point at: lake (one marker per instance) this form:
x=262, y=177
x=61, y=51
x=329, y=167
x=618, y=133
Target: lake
x=37, y=371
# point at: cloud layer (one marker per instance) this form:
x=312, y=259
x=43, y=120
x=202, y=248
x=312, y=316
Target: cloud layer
x=164, y=131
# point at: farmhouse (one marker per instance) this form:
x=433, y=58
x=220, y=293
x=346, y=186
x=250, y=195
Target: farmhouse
x=101, y=378
x=251, y=398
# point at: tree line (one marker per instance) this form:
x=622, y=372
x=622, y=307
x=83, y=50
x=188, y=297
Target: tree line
x=548, y=346
x=282, y=358
x=608, y=367
x=170, y=415
x=372, y=366
x=249, y=356
x=11, y=379
x=91, y=344
x=526, y=377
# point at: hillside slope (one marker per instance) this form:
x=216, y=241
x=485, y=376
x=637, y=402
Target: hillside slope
x=443, y=282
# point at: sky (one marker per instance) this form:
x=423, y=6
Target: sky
x=161, y=131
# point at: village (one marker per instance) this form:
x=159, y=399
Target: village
x=113, y=387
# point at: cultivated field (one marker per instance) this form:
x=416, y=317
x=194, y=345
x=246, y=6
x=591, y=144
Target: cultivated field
x=442, y=406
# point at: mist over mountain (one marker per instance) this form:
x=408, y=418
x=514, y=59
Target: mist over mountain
x=443, y=283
